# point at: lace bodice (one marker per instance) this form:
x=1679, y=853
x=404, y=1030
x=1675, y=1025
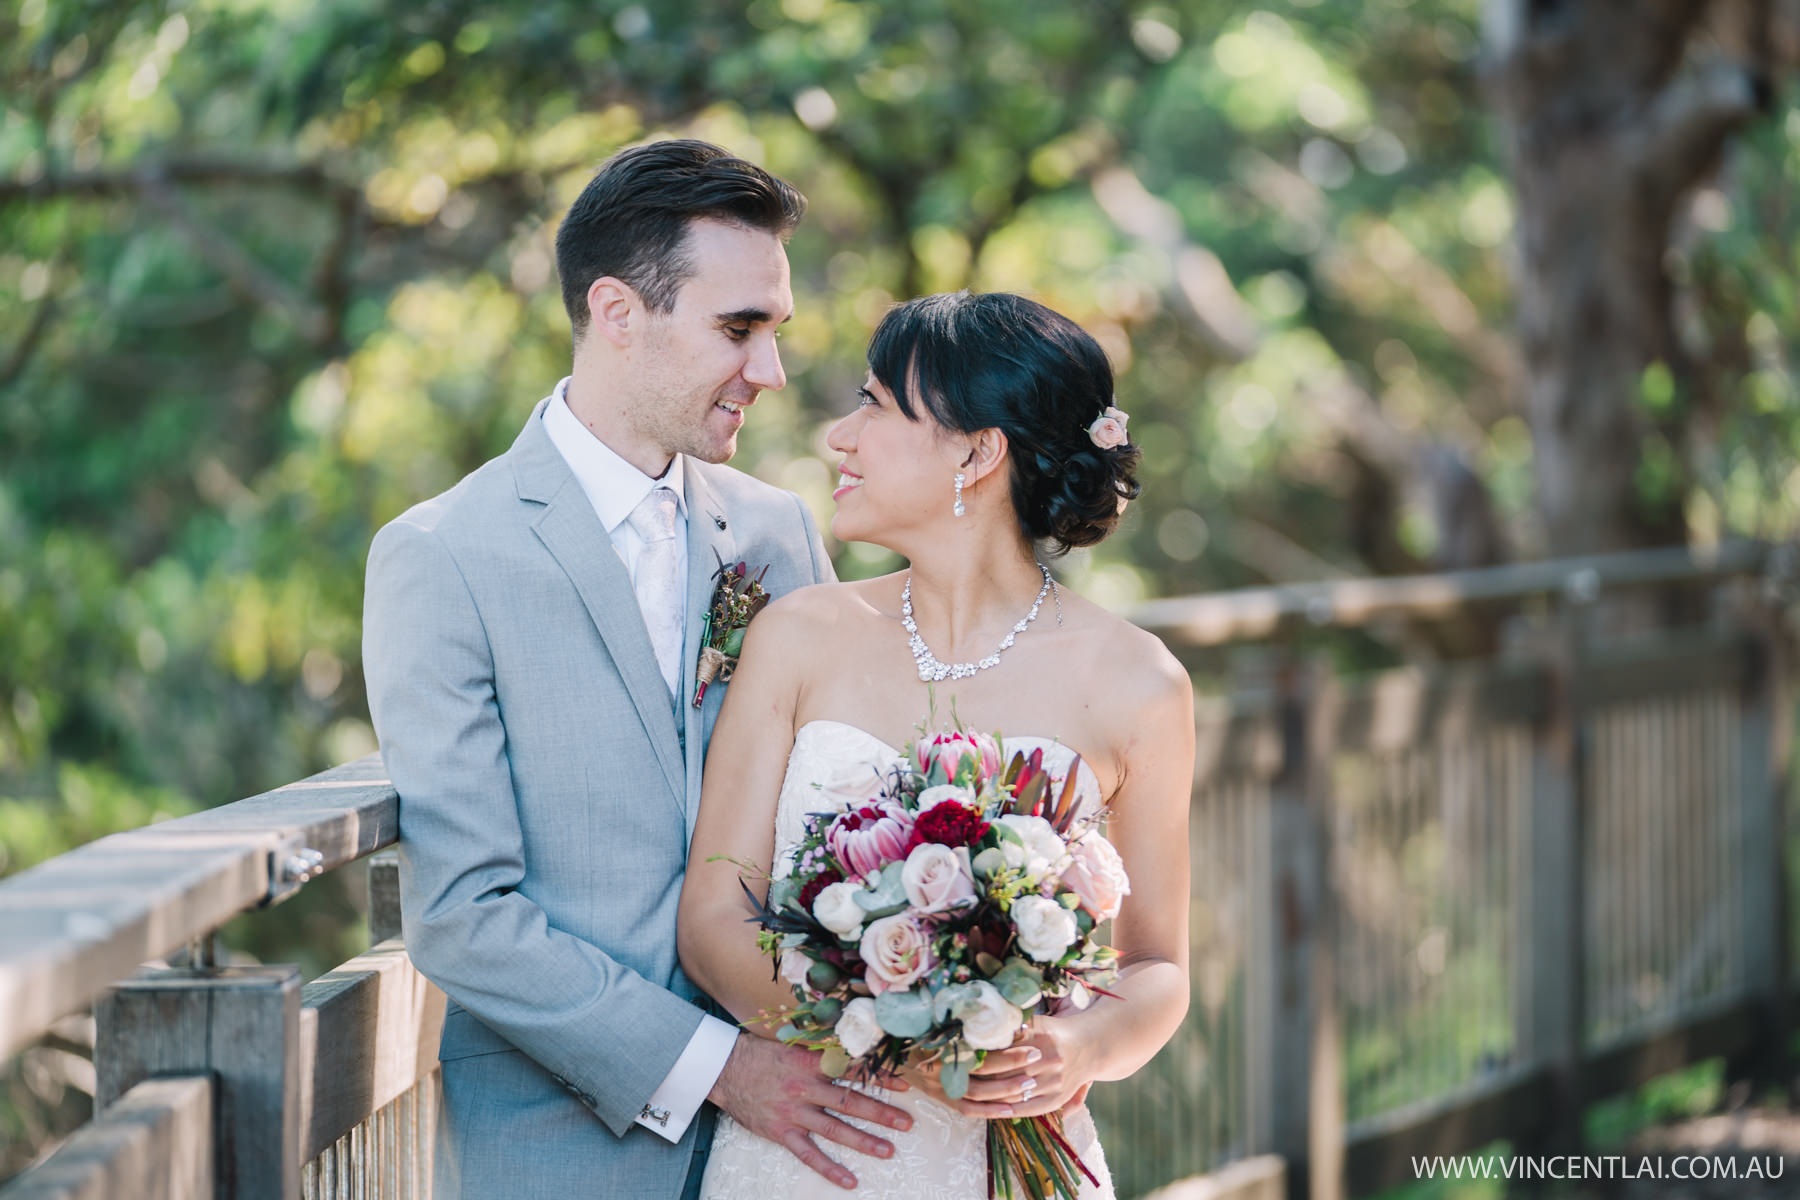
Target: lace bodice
x=944, y=1155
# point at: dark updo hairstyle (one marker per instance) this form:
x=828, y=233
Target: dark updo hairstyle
x=632, y=218
x=998, y=361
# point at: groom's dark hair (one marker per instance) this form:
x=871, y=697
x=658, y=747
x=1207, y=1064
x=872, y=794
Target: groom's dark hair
x=631, y=220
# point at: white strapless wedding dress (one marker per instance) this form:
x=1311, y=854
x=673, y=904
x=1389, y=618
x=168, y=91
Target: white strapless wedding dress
x=944, y=1155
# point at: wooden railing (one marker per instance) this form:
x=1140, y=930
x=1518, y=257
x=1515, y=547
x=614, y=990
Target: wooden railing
x=1428, y=906
x=227, y=1081
x=1437, y=907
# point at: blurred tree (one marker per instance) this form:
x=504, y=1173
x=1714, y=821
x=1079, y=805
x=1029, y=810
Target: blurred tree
x=1615, y=116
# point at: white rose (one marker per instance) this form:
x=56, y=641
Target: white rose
x=931, y=797
x=794, y=966
x=1043, y=854
x=837, y=909
x=937, y=878
x=1046, y=928
x=989, y=1020
x=857, y=1029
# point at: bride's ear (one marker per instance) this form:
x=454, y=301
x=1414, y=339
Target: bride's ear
x=987, y=452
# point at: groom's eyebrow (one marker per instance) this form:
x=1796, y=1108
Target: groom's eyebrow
x=750, y=316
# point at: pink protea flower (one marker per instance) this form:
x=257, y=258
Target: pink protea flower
x=950, y=748
x=867, y=839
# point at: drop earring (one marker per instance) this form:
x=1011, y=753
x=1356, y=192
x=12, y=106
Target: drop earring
x=959, y=510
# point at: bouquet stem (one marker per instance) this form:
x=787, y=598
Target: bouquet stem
x=1029, y=1159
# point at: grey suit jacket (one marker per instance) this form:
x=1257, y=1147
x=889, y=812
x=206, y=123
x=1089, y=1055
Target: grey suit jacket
x=548, y=790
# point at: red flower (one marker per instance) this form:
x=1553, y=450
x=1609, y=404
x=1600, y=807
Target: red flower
x=948, y=824
x=817, y=884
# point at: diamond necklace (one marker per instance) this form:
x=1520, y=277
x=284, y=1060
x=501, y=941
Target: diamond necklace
x=930, y=669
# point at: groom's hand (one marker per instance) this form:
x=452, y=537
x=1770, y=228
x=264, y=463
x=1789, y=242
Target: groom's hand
x=778, y=1093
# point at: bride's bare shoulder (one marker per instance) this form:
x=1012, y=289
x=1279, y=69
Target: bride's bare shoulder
x=1136, y=671
x=825, y=610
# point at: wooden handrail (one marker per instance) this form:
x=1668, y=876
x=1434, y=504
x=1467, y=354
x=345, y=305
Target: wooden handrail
x=1249, y=613
x=72, y=926
x=154, y=1144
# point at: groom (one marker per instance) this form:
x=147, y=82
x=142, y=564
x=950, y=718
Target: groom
x=530, y=639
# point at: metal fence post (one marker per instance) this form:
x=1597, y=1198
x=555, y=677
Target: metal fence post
x=242, y=1026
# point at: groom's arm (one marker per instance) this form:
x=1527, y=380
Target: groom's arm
x=607, y=1033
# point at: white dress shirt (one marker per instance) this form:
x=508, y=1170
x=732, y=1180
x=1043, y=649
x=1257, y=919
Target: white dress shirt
x=614, y=487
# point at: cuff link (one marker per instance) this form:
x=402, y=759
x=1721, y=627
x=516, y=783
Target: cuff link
x=659, y=1115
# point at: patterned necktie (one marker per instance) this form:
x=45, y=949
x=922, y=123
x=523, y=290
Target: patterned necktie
x=657, y=580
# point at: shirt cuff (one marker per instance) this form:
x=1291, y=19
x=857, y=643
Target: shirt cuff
x=684, y=1089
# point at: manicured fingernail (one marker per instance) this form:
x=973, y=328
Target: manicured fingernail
x=1033, y=1055
x=903, y=1124
x=886, y=1151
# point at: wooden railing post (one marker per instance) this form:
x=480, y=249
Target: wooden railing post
x=384, y=896
x=242, y=1026
x=1765, y=723
x=1296, y=1081
x=1553, y=999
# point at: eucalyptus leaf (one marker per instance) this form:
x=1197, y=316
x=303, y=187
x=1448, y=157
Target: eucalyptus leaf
x=1020, y=982
x=948, y=1000
x=823, y=976
x=904, y=1014
x=784, y=892
x=788, y=1033
x=835, y=1062
x=954, y=1074
x=885, y=894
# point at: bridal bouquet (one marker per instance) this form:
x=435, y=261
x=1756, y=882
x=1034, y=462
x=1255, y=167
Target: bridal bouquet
x=928, y=921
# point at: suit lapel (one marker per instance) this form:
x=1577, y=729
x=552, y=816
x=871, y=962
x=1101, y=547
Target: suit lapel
x=579, y=543
x=710, y=541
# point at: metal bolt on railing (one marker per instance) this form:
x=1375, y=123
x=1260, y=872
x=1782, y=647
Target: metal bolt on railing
x=302, y=865
x=1582, y=586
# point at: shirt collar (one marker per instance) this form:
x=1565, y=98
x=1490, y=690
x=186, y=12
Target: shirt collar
x=613, y=486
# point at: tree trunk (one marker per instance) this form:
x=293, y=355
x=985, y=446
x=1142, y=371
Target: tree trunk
x=1610, y=113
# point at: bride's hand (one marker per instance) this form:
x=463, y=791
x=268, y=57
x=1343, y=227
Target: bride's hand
x=1056, y=1079
x=1042, y=1072
x=989, y=1084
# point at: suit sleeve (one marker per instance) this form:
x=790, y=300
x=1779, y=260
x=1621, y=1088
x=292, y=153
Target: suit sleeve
x=822, y=570
x=603, y=1031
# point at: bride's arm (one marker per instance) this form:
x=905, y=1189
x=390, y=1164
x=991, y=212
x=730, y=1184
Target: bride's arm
x=744, y=767
x=775, y=1091
x=1112, y=1038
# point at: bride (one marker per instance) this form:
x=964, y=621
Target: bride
x=983, y=432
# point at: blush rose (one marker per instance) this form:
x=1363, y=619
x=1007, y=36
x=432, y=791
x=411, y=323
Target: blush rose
x=896, y=952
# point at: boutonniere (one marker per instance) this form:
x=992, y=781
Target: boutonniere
x=738, y=597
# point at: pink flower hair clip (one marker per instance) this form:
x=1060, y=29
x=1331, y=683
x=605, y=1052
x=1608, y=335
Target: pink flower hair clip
x=1108, y=429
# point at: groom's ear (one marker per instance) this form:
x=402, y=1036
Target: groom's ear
x=987, y=451
x=613, y=307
